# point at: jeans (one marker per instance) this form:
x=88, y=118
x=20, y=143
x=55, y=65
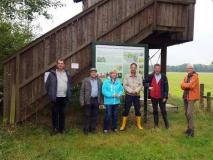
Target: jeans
x=129, y=100
x=111, y=113
x=91, y=115
x=58, y=114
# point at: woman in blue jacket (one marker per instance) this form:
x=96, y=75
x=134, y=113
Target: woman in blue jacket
x=112, y=90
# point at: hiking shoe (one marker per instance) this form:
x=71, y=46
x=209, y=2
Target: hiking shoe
x=190, y=133
x=187, y=131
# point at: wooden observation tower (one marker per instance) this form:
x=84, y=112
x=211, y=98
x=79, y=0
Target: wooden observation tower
x=158, y=23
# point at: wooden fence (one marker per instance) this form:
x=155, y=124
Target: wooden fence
x=206, y=97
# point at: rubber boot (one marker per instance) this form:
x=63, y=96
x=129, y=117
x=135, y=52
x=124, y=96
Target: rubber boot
x=138, y=122
x=123, y=123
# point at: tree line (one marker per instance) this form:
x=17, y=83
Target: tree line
x=197, y=67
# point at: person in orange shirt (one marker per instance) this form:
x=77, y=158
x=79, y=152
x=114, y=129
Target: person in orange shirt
x=191, y=93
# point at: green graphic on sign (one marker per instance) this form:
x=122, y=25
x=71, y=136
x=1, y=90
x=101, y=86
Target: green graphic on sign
x=119, y=58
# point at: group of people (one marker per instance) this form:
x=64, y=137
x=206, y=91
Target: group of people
x=94, y=93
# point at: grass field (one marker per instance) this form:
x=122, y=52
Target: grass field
x=175, y=79
x=31, y=141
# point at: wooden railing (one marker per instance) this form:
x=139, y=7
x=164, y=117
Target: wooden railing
x=208, y=98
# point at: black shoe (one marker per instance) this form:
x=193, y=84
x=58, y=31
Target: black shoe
x=86, y=132
x=115, y=130
x=93, y=130
x=190, y=133
x=187, y=131
x=54, y=132
x=62, y=131
x=167, y=126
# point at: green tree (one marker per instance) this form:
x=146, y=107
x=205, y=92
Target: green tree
x=16, y=18
x=26, y=9
x=15, y=22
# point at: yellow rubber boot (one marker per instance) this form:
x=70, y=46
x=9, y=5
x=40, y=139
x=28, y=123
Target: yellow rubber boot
x=123, y=123
x=138, y=123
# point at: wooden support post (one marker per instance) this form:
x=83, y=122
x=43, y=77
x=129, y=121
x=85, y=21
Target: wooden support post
x=146, y=86
x=209, y=102
x=163, y=59
x=17, y=111
x=13, y=106
x=201, y=96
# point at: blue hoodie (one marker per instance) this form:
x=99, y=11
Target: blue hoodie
x=109, y=89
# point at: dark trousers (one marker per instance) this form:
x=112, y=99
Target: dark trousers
x=129, y=100
x=91, y=115
x=58, y=114
x=162, y=105
x=111, y=113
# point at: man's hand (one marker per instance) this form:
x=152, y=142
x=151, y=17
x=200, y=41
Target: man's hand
x=164, y=100
x=134, y=92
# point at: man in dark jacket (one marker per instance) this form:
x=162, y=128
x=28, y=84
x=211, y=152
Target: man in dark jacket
x=90, y=99
x=159, y=88
x=58, y=86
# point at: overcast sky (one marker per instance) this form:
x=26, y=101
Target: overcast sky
x=199, y=51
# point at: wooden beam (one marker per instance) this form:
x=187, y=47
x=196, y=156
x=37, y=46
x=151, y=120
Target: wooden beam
x=170, y=28
x=183, y=2
x=144, y=33
x=201, y=96
x=209, y=104
x=17, y=87
x=163, y=59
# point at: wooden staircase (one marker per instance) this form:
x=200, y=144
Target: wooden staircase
x=155, y=22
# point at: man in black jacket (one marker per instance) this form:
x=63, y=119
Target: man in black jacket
x=58, y=86
x=158, y=92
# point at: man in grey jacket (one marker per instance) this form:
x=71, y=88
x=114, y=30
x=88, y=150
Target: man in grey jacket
x=90, y=99
x=58, y=86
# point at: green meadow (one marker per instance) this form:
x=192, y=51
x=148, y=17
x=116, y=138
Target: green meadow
x=175, y=79
x=32, y=141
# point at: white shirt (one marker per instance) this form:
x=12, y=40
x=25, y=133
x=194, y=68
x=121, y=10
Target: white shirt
x=157, y=77
x=61, y=83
